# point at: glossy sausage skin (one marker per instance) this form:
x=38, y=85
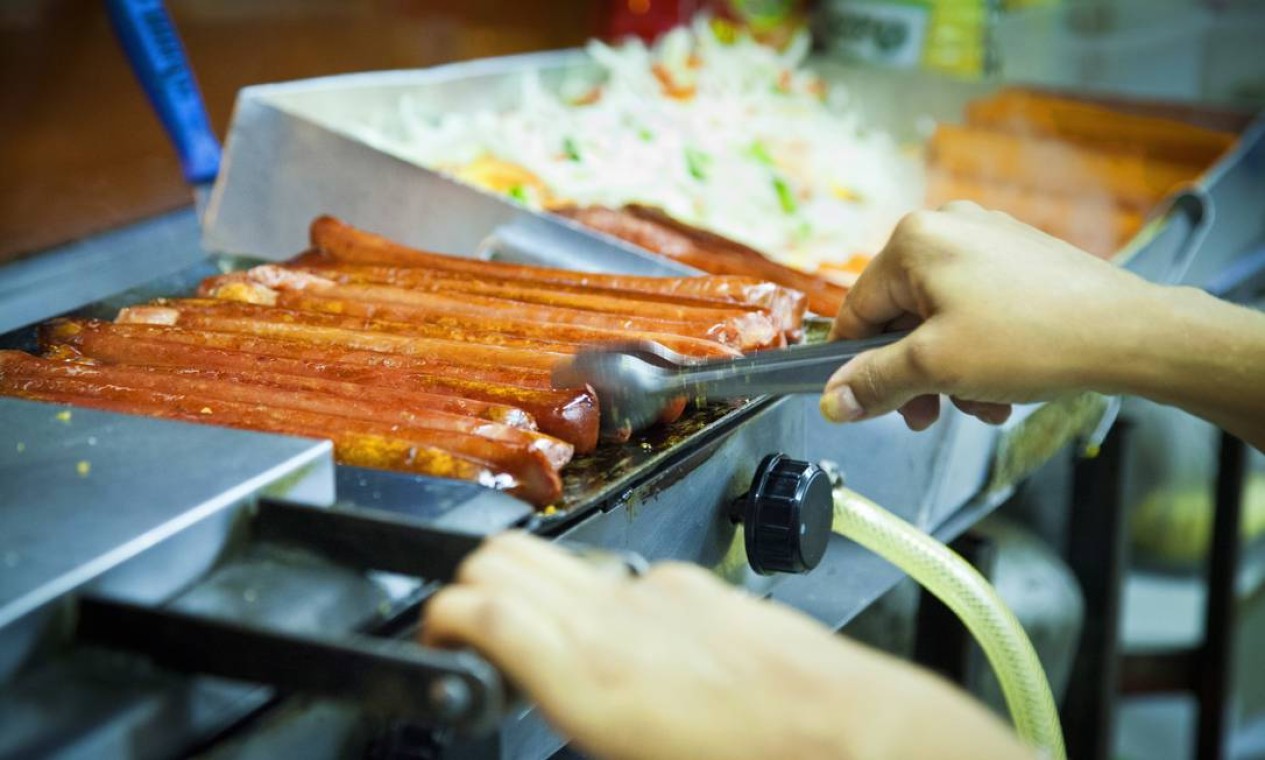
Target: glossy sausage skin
x=231, y=286
x=243, y=388
x=785, y=306
x=338, y=344
x=350, y=446
x=655, y=231
x=366, y=315
x=378, y=397
x=68, y=331
x=21, y=374
x=743, y=316
x=352, y=340
x=173, y=311
x=571, y=415
x=1125, y=177
x=538, y=357
x=345, y=243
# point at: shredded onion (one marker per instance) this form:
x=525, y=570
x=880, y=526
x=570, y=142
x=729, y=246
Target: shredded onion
x=733, y=137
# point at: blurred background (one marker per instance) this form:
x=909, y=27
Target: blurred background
x=81, y=152
x=80, y=147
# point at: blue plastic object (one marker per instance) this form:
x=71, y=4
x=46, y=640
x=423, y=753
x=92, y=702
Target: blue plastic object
x=158, y=59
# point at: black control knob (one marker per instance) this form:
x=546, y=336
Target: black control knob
x=786, y=515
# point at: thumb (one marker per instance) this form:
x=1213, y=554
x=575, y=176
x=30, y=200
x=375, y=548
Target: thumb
x=874, y=383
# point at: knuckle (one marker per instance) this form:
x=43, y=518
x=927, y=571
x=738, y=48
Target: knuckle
x=930, y=362
x=872, y=383
x=470, y=569
x=439, y=607
x=504, y=541
x=923, y=358
x=498, y=615
x=962, y=207
x=509, y=545
x=481, y=565
x=914, y=225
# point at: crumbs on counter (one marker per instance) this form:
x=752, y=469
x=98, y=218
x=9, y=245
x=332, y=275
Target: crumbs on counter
x=83, y=468
x=63, y=416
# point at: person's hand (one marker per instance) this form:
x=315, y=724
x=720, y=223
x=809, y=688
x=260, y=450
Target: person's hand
x=678, y=665
x=1004, y=313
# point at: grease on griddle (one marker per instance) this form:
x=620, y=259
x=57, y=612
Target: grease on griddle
x=609, y=465
x=612, y=465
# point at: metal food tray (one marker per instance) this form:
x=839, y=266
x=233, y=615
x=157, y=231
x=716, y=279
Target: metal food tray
x=296, y=150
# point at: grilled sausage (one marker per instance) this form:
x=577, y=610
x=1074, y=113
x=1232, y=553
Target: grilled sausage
x=375, y=314
x=231, y=286
x=191, y=312
x=1033, y=113
x=255, y=372
x=655, y=231
x=345, y=243
x=756, y=328
x=358, y=447
x=539, y=357
x=783, y=308
x=70, y=331
x=571, y=415
x=243, y=388
x=341, y=314
x=1055, y=167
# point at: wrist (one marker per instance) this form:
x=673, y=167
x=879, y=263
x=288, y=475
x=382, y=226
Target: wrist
x=1177, y=337
x=1137, y=338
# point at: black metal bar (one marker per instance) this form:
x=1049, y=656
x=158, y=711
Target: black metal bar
x=1213, y=679
x=1159, y=672
x=367, y=539
x=395, y=678
x=1095, y=553
x=375, y=540
x=941, y=642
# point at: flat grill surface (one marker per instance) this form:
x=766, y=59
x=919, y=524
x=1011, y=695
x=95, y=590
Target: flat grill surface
x=589, y=481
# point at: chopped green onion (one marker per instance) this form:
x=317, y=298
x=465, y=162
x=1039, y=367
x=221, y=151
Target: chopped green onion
x=645, y=134
x=697, y=161
x=784, y=195
x=518, y=193
x=760, y=153
x=571, y=149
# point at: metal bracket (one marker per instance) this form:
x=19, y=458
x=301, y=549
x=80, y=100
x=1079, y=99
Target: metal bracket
x=376, y=540
x=386, y=676
x=366, y=539
x=1196, y=204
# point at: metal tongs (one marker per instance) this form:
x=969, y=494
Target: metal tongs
x=635, y=381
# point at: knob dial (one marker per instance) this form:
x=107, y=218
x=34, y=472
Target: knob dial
x=786, y=516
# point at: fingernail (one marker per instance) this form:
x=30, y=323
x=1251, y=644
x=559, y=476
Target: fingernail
x=841, y=405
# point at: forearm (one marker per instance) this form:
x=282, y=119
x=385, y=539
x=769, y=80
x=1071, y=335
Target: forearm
x=1193, y=351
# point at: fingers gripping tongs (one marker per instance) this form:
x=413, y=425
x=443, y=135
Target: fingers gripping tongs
x=635, y=381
